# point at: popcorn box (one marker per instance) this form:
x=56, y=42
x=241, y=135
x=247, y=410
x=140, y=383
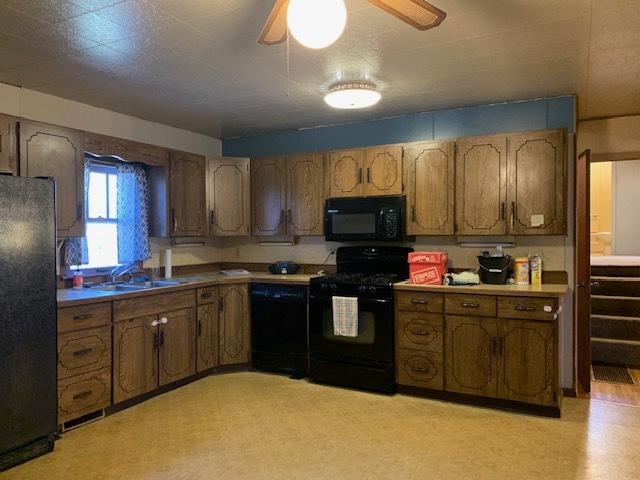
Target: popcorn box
x=427, y=267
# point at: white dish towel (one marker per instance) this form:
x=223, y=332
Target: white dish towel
x=345, y=316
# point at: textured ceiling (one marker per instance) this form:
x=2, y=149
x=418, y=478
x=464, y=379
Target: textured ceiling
x=195, y=64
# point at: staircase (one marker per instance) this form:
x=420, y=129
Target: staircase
x=615, y=315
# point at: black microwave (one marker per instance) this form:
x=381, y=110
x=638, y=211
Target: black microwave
x=364, y=218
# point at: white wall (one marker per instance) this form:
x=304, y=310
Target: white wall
x=626, y=198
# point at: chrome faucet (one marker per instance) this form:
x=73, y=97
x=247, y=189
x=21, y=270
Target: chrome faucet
x=122, y=270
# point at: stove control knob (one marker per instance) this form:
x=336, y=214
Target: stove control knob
x=372, y=289
x=324, y=287
x=334, y=287
x=362, y=289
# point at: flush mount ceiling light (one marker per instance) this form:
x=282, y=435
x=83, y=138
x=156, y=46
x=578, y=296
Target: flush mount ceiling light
x=316, y=23
x=352, y=95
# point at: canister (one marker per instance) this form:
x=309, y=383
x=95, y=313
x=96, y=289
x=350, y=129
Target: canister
x=521, y=274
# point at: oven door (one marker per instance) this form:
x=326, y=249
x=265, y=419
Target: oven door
x=375, y=339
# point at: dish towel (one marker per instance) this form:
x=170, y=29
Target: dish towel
x=345, y=316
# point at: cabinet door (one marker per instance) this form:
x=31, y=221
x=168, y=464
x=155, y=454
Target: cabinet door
x=235, y=332
x=536, y=192
x=383, y=171
x=8, y=155
x=177, y=345
x=188, y=196
x=49, y=151
x=135, y=357
x=346, y=173
x=305, y=180
x=528, y=361
x=229, y=196
x=268, y=196
x=208, y=335
x=471, y=364
x=481, y=186
x=429, y=168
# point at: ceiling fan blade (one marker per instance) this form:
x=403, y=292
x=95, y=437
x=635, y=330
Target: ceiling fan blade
x=417, y=13
x=275, y=30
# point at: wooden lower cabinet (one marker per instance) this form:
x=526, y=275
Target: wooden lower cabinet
x=177, y=356
x=83, y=394
x=235, y=334
x=207, y=337
x=417, y=368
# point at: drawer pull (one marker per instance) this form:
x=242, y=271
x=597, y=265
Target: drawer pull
x=81, y=395
x=420, y=369
x=83, y=317
x=420, y=332
x=419, y=302
x=80, y=353
x=525, y=309
x=470, y=305
x=206, y=295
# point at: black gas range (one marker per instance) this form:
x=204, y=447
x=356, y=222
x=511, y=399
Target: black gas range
x=367, y=360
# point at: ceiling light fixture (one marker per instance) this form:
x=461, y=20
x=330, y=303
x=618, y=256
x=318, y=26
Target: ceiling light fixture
x=352, y=95
x=316, y=23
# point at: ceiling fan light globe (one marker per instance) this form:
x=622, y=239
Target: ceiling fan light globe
x=352, y=95
x=316, y=23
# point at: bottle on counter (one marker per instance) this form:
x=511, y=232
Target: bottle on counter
x=536, y=270
x=78, y=280
x=521, y=274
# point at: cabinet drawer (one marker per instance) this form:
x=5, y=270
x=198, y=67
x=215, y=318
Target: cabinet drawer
x=84, y=316
x=153, y=304
x=83, y=394
x=476, y=305
x=207, y=295
x=419, y=330
x=420, y=301
x=527, y=308
x=84, y=351
x=420, y=369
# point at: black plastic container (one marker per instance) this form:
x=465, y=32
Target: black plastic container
x=495, y=270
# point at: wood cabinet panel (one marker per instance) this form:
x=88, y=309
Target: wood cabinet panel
x=50, y=151
x=536, y=193
x=126, y=149
x=8, y=147
x=152, y=304
x=207, y=295
x=420, y=369
x=235, y=334
x=305, y=180
x=208, y=336
x=346, y=173
x=84, y=394
x=430, y=171
x=481, y=186
x=474, y=305
x=228, y=187
x=383, y=170
x=421, y=331
x=420, y=301
x=528, y=361
x=84, y=316
x=177, y=358
x=188, y=195
x=268, y=196
x=135, y=357
x=471, y=366
x=528, y=308
x=84, y=351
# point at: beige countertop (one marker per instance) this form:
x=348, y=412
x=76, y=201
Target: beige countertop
x=69, y=297
x=548, y=290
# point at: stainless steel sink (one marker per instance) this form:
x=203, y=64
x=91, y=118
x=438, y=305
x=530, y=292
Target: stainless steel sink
x=119, y=287
x=157, y=283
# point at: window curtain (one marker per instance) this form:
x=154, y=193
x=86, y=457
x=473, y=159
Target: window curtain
x=76, y=251
x=133, y=214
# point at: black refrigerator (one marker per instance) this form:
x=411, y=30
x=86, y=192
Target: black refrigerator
x=28, y=398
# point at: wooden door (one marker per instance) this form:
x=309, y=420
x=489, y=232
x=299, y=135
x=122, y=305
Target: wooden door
x=235, y=339
x=527, y=350
x=50, y=151
x=346, y=173
x=481, y=186
x=135, y=357
x=207, y=345
x=429, y=169
x=383, y=171
x=188, y=196
x=305, y=201
x=536, y=187
x=268, y=196
x=177, y=345
x=583, y=273
x=8, y=157
x=471, y=364
x=229, y=196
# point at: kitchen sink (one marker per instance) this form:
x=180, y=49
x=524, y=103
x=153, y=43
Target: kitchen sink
x=119, y=287
x=157, y=283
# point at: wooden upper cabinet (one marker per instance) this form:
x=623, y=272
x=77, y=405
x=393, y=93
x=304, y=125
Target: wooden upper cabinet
x=50, y=151
x=235, y=334
x=383, y=171
x=177, y=358
x=228, y=190
x=429, y=186
x=268, y=196
x=305, y=205
x=8, y=150
x=481, y=186
x=188, y=196
x=346, y=173
x=536, y=193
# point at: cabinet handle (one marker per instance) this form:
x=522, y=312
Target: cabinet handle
x=420, y=332
x=199, y=328
x=419, y=302
x=221, y=304
x=493, y=345
x=503, y=209
x=283, y=218
x=81, y=395
x=206, y=295
x=155, y=323
x=360, y=176
x=470, y=305
x=500, y=345
x=83, y=317
x=413, y=213
x=420, y=369
x=79, y=212
x=212, y=217
x=164, y=320
x=368, y=175
x=155, y=341
x=513, y=215
x=289, y=216
x=162, y=339
x=80, y=353
x=174, y=220
x=525, y=309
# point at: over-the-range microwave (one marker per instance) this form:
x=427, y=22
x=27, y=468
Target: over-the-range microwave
x=365, y=218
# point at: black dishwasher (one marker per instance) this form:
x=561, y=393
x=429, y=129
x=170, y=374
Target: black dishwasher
x=279, y=328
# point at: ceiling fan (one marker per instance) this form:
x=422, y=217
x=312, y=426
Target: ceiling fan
x=417, y=13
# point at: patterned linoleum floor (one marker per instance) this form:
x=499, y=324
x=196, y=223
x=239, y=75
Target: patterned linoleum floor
x=258, y=426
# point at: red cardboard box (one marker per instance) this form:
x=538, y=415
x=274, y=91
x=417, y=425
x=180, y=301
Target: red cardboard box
x=428, y=267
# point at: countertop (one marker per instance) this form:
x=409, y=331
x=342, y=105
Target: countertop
x=548, y=290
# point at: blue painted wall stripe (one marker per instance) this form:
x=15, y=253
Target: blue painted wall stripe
x=540, y=114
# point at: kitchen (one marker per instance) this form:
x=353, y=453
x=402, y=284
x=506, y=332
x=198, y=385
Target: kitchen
x=190, y=274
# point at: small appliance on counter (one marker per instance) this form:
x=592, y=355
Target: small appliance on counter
x=284, y=268
x=495, y=269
